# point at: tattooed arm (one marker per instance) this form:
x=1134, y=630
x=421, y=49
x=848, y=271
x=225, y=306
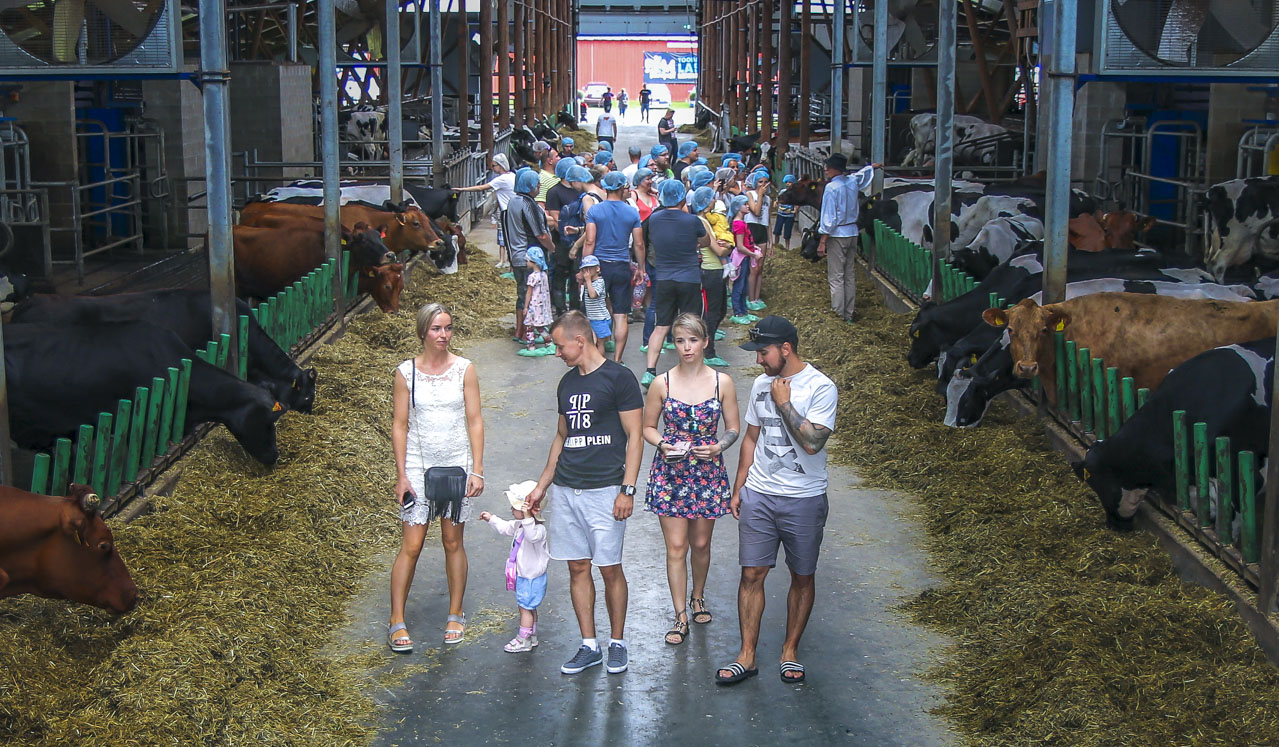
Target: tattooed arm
x=812, y=438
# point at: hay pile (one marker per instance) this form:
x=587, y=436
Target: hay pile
x=702, y=135
x=245, y=574
x=1067, y=633
x=584, y=141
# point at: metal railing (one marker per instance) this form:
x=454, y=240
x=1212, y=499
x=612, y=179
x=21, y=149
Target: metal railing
x=1258, y=152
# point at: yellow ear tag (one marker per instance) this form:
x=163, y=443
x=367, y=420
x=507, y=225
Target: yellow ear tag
x=1061, y=326
x=973, y=357
x=999, y=322
x=1087, y=474
x=915, y=333
x=277, y=407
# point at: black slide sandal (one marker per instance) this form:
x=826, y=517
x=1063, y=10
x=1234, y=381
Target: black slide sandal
x=739, y=673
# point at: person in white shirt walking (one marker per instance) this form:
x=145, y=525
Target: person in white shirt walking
x=838, y=229
x=779, y=494
x=606, y=129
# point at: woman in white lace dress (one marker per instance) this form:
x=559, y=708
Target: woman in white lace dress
x=437, y=423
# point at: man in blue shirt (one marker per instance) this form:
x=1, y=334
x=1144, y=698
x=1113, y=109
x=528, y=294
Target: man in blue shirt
x=838, y=229
x=612, y=227
x=676, y=237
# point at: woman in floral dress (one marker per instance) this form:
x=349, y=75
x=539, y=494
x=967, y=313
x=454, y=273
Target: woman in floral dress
x=688, y=486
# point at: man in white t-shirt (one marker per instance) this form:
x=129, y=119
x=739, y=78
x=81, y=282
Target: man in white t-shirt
x=635, y=154
x=606, y=128
x=779, y=495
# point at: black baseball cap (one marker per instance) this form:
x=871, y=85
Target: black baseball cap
x=838, y=161
x=771, y=330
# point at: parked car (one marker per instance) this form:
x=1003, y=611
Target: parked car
x=594, y=94
x=661, y=98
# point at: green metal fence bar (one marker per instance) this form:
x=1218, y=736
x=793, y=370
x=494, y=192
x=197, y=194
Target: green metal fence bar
x=1085, y=389
x=1143, y=394
x=242, y=343
x=1128, y=393
x=40, y=474
x=137, y=429
x=1225, y=492
x=119, y=445
x=1059, y=358
x=1180, y=459
x=101, y=454
x=83, y=454
x=1112, y=400
x=1200, y=437
x=166, y=411
x=224, y=350
x=273, y=313
x=1072, y=380
x=61, y=466
x=180, y=404
x=1249, y=540
x=154, y=407
x=1098, y=398
x=994, y=300
x=211, y=353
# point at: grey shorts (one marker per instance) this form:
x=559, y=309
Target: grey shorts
x=580, y=525
x=768, y=520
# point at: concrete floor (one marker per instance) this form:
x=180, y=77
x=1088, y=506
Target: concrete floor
x=864, y=658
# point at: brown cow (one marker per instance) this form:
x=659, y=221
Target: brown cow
x=60, y=548
x=409, y=231
x=1122, y=226
x=268, y=260
x=1144, y=335
x=1086, y=233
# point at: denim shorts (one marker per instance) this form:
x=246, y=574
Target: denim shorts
x=529, y=592
x=603, y=328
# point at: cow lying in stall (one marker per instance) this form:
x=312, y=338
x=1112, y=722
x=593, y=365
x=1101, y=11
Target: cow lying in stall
x=1228, y=388
x=60, y=548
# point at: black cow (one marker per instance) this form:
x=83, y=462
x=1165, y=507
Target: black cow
x=188, y=314
x=436, y=202
x=62, y=375
x=936, y=326
x=522, y=139
x=1227, y=387
x=14, y=288
x=704, y=119
x=565, y=118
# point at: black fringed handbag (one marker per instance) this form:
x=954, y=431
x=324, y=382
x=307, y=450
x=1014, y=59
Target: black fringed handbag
x=444, y=487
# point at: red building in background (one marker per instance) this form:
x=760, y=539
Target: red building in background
x=619, y=62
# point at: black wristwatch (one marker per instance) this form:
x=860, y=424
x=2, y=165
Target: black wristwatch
x=628, y=491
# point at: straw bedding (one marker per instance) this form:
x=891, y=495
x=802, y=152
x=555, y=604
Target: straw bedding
x=1066, y=633
x=245, y=574
x=703, y=135
x=584, y=141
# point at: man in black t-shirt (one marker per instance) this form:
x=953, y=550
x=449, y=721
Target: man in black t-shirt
x=590, y=481
x=646, y=96
x=562, y=285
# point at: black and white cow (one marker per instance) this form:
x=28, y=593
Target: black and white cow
x=1228, y=388
x=998, y=241
x=975, y=141
x=1242, y=218
x=365, y=129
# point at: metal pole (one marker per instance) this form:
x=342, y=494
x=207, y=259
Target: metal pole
x=943, y=165
x=215, y=81
x=486, y=76
x=437, y=97
x=291, y=14
x=879, y=95
x=805, y=71
x=837, y=80
x=394, y=100
x=1060, y=86
x=327, y=70
x=504, y=63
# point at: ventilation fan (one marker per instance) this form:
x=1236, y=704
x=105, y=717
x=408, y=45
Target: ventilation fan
x=912, y=31
x=1188, y=37
x=107, y=35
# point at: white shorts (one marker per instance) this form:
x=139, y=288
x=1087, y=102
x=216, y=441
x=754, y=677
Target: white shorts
x=580, y=525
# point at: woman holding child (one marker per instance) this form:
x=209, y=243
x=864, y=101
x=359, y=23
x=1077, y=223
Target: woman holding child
x=688, y=486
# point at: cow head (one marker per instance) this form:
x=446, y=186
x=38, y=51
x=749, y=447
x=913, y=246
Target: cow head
x=1086, y=233
x=1119, y=504
x=1030, y=329
x=385, y=284
x=1122, y=226
x=301, y=394
x=411, y=231
x=806, y=191
x=82, y=564
x=926, y=339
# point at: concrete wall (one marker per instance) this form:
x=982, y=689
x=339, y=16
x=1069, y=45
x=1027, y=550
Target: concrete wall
x=46, y=112
x=1095, y=104
x=178, y=108
x=1228, y=107
x=272, y=113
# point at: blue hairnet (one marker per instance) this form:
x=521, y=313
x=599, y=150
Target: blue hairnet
x=701, y=179
x=670, y=192
x=735, y=206
x=753, y=178
x=687, y=148
x=603, y=158
x=731, y=156
x=657, y=150
x=526, y=182
x=613, y=181
x=645, y=161
x=562, y=166
x=701, y=199
x=578, y=174
x=640, y=175
x=788, y=179
x=701, y=161
x=566, y=141
x=535, y=254
x=606, y=145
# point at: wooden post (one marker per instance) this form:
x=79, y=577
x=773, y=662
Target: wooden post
x=463, y=74
x=784, y=67
x=750, y=67
x=805, y=71
x=486, y=76
x=979, y=51
x=505, y=102
x=766, y=64
x=741, y=67
x=517, y=65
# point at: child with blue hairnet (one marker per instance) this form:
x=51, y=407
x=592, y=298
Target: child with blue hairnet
x=785, y=223
x=537, y=307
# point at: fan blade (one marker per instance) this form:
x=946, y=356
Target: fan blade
x=1240, y=19
x=68, y=20
x=126, y=15
x=1181, y=29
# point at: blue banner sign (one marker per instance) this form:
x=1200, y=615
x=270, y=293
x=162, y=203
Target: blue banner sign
x=665, y=67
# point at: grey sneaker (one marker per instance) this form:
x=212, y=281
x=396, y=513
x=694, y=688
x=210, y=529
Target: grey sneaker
x=584, y=659
x=617, y=659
